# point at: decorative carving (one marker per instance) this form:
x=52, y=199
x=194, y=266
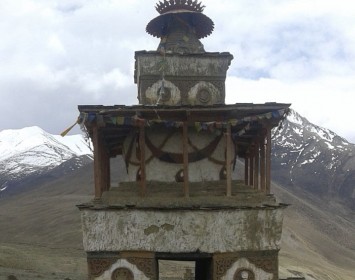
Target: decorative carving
x=184, y=85
x=268, y=265
x=165, y=95
x=244, y=274
x=122, y=273
x=220, y=85
x=171, y=5
x=204, y=96
x=146, y=265
x=98, y=266
x=223, y=265
x=160, y=92
x=206, y=93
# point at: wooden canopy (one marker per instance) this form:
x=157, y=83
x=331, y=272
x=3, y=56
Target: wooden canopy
x=115, y=122
x=247, y=126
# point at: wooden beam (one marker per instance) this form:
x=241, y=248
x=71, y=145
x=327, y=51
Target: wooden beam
x=256, y=166
x=229, y=159
x=185, y=159
x=262, y=164
x=268, y=159
x=142, y=160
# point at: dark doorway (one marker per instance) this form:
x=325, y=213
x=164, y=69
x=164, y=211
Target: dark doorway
x=193, y=266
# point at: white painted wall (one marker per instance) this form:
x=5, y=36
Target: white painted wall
x=204, y=170
x=182, y=231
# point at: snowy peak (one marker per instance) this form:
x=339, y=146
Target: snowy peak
x=14, y=142
x=296, y=126
x=313, y=158
x=31, y=150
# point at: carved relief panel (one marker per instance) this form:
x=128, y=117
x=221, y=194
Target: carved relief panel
x=244, y=274
x=162, y=92
x=177, y=91
x=122, y=273
x=204, y=93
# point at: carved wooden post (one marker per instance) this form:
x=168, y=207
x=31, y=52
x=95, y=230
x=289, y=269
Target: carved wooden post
x=268, y=159
x=256, y=165
x=106, y=170
x=262, y=164
x=185, y=159
x=142, y=159
x=246, y=170
x=251, y=167
x=99, y=155
x=228, y=159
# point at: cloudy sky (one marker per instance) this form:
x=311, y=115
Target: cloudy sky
x=56, y=54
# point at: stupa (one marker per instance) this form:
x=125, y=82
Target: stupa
x=179, y=200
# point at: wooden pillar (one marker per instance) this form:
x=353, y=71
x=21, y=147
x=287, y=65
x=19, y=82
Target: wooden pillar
x=100, y=173
x=229, y=159
x=185, y=159
x=105, y=165
x=262, y=164
x=246, y=170
x=251, y=168
x=256, y=166
x=142, y=159
x=268, y=159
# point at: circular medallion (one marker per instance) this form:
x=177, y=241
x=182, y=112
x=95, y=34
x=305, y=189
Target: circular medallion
x=203, y=96
x=244, y=274
x=165, y=95
x=122, y=273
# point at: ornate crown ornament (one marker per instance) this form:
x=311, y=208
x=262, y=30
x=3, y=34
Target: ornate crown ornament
x=188, y=11
x=171, y=5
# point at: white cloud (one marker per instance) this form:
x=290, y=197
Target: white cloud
x=60, y=53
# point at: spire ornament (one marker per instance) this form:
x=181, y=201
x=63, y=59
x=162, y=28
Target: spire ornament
x=188, y=11
x=173, y=5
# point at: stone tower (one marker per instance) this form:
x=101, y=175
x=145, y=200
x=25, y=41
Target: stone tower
x=179, y=200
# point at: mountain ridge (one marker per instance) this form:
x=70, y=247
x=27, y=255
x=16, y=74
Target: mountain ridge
x=313, y=158
x=29, y=153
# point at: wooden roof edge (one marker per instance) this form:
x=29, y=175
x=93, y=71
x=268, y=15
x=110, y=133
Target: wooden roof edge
x=204, y=54
x=102, y=109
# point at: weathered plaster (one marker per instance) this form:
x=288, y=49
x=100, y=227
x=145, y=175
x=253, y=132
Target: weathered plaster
x=182, y=65
x=182, y=231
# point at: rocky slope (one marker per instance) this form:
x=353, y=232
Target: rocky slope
x=314, y=159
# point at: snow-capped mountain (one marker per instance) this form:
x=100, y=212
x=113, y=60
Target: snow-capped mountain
x=314, y=159
x=31, y=151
